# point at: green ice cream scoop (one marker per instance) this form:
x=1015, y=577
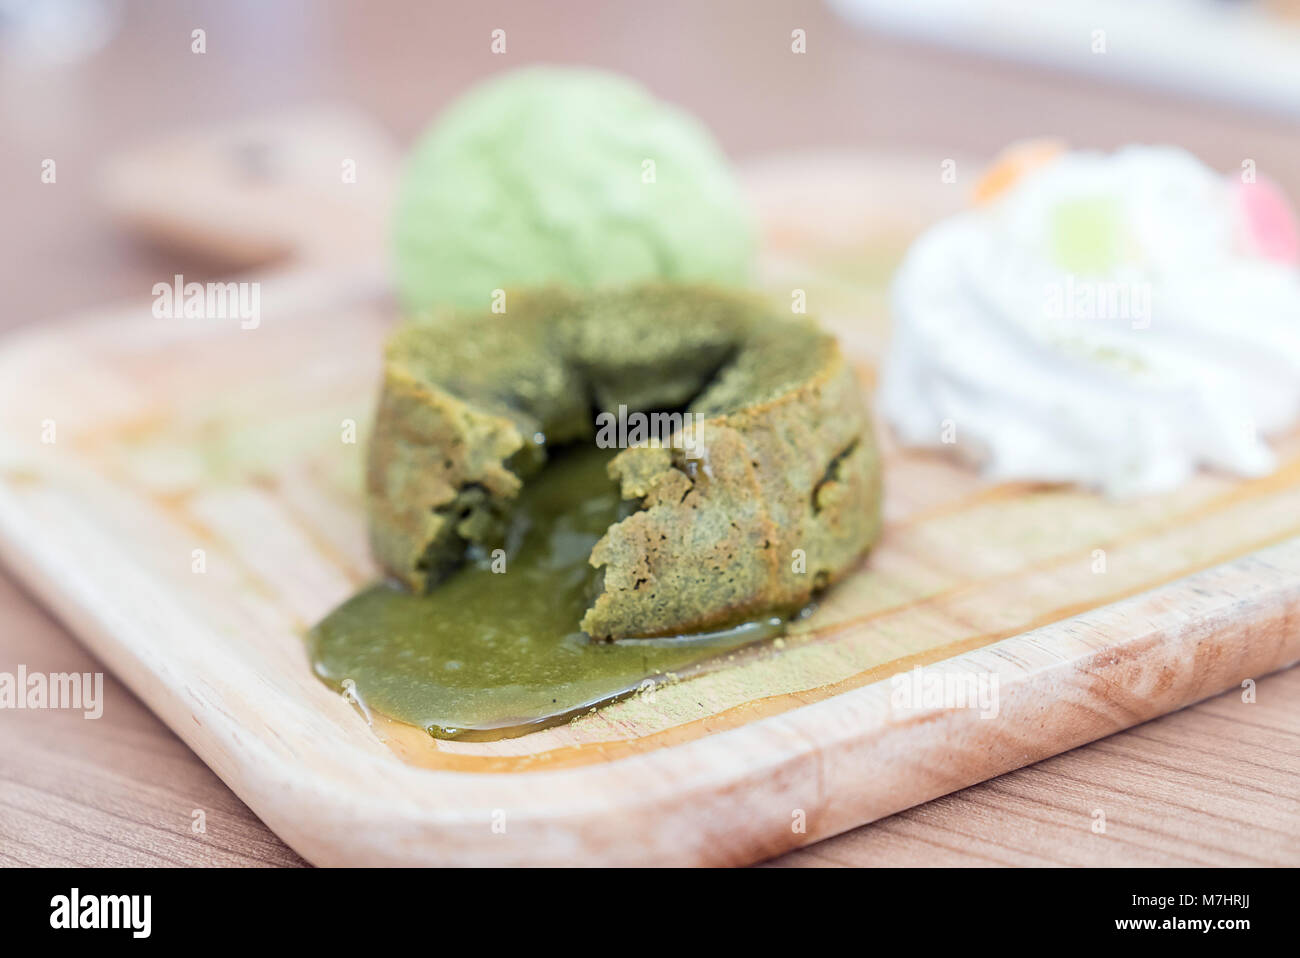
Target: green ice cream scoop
x=565, y=176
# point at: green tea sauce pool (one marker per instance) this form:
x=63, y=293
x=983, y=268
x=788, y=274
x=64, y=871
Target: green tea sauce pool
x=494, y=651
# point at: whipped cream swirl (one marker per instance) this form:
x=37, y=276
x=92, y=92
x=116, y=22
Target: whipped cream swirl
x=1112, y=320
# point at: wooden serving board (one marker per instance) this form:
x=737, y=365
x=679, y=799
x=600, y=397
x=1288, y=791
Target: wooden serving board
x=199, y=509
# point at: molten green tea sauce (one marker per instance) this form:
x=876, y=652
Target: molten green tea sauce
x=492, y=654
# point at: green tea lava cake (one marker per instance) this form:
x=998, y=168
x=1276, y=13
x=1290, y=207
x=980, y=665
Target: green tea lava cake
x=775, y=494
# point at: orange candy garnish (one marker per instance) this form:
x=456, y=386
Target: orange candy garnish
x=1013, y=163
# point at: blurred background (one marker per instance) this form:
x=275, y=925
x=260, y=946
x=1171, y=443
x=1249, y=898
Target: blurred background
x=82, y=80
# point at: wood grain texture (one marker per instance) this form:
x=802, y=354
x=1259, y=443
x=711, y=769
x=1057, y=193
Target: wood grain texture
x=1216, y=784
x=120, y=790
x=183, y=435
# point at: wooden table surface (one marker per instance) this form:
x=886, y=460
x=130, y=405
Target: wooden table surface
x=1218, y=783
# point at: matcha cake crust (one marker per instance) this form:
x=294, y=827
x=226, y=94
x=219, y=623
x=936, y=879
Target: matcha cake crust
x=777, y=494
